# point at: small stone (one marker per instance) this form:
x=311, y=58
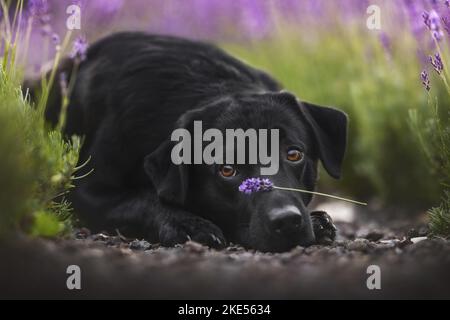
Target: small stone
x=234, y=248
x=418, y=239
x=82, y=233
x=416, y=233
x=100, y=237
x=362, y=245
x=312, y=249
x=139, y=245
x=194, y=247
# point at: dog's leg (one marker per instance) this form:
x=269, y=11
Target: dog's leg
x=143, y=214
x=324, y=229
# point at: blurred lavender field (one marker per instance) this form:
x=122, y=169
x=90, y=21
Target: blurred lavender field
x=242, y=22
x=324, y=52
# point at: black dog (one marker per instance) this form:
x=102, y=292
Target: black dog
x=134, y=89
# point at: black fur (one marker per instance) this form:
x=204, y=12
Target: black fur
x=134, y=89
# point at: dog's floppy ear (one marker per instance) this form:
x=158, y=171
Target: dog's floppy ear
x=169, y=180
x=330, y=129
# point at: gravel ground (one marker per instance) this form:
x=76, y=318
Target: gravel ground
x=112, y=266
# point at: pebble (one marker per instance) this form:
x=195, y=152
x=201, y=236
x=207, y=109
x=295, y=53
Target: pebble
x=82, y=233
x=100, y=237
x=420, y=232
x=362, y=245
x=374, y=235
x=194, y=247
x=139, y=245
x=418, y=239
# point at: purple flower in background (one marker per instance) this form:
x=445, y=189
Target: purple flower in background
x=63, y=83
x=433, y=22
x=425, y=80
x=446, y=23
x=252, y=185
x=426, y=19
x=414, y=11
x=385, y=42
x=79, y=48
x=56, y=40
x=255, y=18
x=108, y=6
x=38, y=8
x=104, y=10
x=447, y=3
x=437, y=63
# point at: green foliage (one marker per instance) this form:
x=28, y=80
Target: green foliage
x=36, y=166
x=433, y=133
x=440, y=218
x=36, y=163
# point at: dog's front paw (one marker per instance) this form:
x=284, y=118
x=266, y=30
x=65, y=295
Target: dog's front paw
x=324, y=229
x=179, y=230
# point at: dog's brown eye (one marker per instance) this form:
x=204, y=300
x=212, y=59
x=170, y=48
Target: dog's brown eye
x=294, y=155
x=227, y=171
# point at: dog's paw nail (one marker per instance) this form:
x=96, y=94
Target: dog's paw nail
x=215, y=238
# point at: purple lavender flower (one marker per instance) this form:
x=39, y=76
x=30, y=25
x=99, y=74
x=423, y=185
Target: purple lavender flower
x=39, y=10
x=447, y=3
x=108, y=7
x=38, y=7
x=437, y=63
x=79, y=48
x=56, y=40
x=414, y=11
x=385, y=42
x=251, y=185
x=433, y=23
x=425, y=80
x=426, y=19
x=446, y=23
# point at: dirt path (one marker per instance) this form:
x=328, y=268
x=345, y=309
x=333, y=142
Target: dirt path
x=113, y=267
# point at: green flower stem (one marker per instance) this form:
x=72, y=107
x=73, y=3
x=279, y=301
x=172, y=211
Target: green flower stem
x=321, y=194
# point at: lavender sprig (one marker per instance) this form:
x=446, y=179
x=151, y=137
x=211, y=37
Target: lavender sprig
x=437, y=63
x=433, y=23
x=79, y=48
x=252, y=185
x=425, y=80
x=446, y=23
x=40, y=11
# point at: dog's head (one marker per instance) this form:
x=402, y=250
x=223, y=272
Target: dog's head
x=267, y=221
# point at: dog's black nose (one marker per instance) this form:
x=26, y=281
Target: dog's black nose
x=285, y=220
